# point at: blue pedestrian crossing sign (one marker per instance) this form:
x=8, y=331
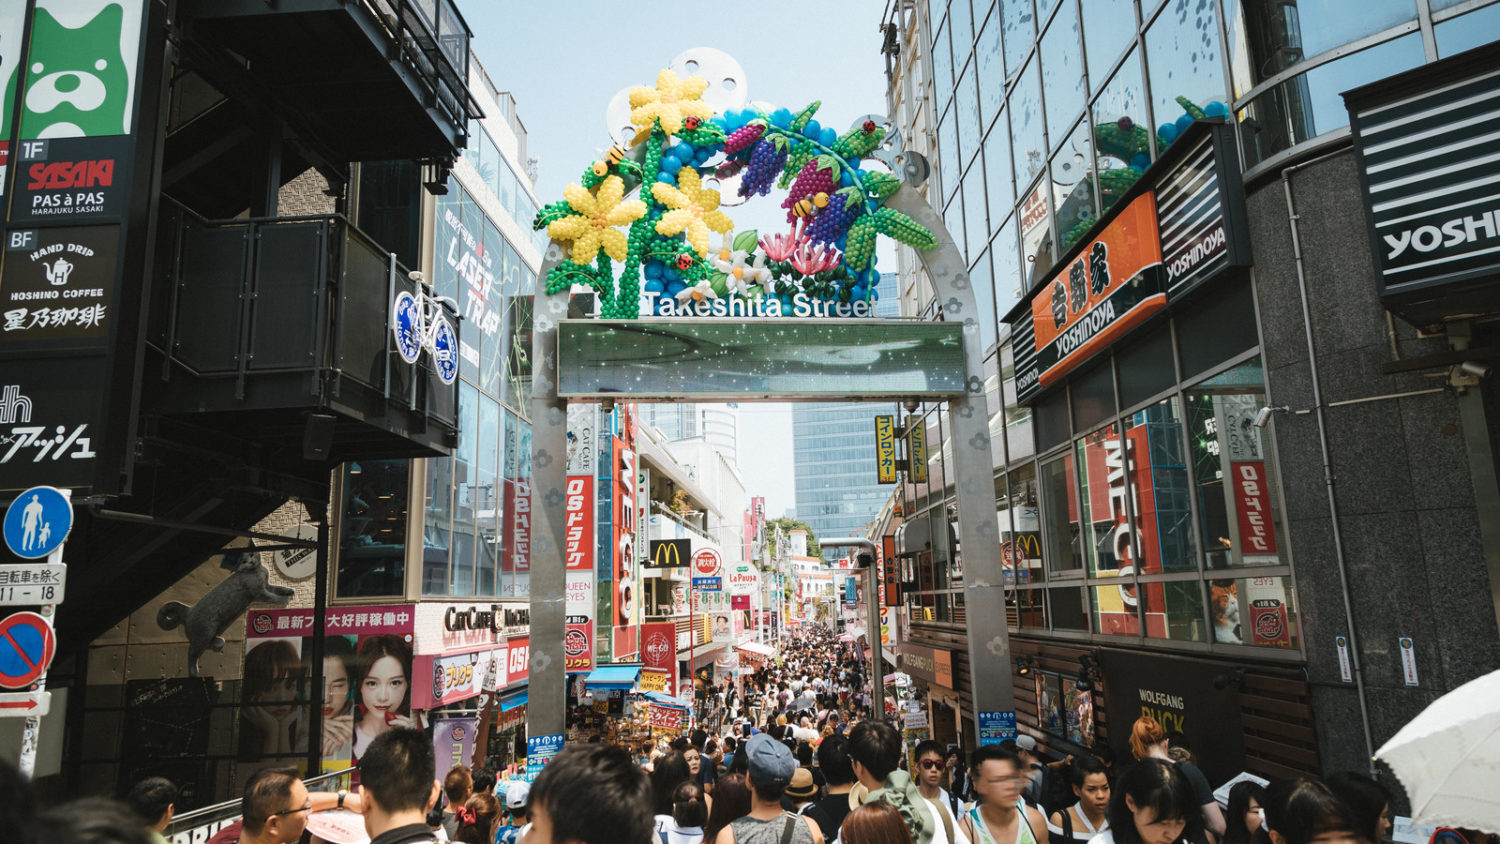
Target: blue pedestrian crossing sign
x=37, y=522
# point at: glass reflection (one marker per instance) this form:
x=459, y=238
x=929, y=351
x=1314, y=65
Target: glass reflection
x=1107, y=28
x=1073, y=188
x=991, y=71
x=1018, y=426
x=966, y=109
x=1467, y=31
x=1269, y=36
x=999, y=188
x=1007, y=267
x=1187, y=72
x=1160, y=487
x=1019, y=31
x=1115, y=608
x=1027, y=144
x=1174, y=610
x=947, y=138
x=1121, y=143
x=1062, y=72
x=1062, y=538
x=1255, y=611
x=372, y=533
x=1036, y=233
x=976, y=221
x=942, y=66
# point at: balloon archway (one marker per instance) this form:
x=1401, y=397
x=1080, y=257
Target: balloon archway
x=663, y=241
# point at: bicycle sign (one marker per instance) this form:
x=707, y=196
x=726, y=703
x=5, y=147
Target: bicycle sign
x=418, y=323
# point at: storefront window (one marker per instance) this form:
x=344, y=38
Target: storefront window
x=1030, y=611
x=1061, y=539
x=1186, y=61
x=1069, y=611
x=1019, y=31
x=1122, y=142
x=1265, y=39
x=1174, y=610
x=1107, y=28
x=1253, y=611
x=372, y=532
x=1161, y=489
x=1104, y=495
x=1021, y=528
x=1063, y=709
x=1233, y=473
x=1062, y=72
x=437, y=526
x=1073, y=186
x=1115, y=609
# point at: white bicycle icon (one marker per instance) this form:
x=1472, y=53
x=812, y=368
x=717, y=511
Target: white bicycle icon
x=418, y=323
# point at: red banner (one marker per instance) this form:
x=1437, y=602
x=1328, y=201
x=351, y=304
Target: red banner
x=1252, y=503
x=578, y=647
x=579, y=554
x=739, y=602
x=519, y=659
x=666, y=718
x=627, y=611
x=625, y=643
x=659, y=651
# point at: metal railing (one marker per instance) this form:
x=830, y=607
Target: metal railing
x=220, y=815
x=434, y=41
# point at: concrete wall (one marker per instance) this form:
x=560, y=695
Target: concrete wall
x=1405, y=503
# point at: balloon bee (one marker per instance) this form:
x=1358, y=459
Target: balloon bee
x=810, y=205
x=611, y=160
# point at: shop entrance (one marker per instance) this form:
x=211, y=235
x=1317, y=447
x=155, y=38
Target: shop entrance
x=727, y=329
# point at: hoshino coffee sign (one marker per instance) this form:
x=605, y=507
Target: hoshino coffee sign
x=1425, y=148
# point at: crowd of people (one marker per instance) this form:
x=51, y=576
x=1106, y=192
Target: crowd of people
x=790, y=756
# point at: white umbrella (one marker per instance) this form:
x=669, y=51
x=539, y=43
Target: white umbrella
x=1448, y=757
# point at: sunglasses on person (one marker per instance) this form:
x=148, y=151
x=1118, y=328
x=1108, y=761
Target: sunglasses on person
x=930, y=764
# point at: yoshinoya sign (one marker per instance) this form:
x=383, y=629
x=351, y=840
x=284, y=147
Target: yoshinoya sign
x=1183, y=224
x=1423, y=142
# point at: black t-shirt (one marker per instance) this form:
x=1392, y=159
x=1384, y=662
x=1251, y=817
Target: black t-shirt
x=1200, y=782
x=829, y=814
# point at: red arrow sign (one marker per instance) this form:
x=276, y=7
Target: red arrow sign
x=29, y=703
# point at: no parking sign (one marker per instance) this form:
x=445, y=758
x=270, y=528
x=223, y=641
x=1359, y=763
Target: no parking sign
x=26, y=647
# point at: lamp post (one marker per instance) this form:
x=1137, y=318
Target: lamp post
x=866, y=561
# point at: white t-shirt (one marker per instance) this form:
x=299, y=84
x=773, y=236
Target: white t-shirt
x=938, y=811
x=1105, y=837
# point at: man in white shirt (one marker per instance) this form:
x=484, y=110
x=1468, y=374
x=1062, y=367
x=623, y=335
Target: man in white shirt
x=929, y=775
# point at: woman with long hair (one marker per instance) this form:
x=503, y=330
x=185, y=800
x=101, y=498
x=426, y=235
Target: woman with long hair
x=1153, y=803
x=874, y=823
x=1368, y=800
x=667, y=773
x=732, y=802
x=1304, y=811
x=477, y=820
x=1149, y=740
x=1089, y=816
x=269, y=722
x=383, y=665
x=338, y=703
x=1243, y=815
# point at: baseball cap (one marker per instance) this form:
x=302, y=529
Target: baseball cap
x=1026, y=743
x=802, y=784
x=771, y=764
x=516, y=794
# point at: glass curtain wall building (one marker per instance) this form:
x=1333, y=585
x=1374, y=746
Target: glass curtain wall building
x=1124, y=514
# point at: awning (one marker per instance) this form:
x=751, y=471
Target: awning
x=664, y=699
x=756, y=648
x=613, y=677
x=509, y=703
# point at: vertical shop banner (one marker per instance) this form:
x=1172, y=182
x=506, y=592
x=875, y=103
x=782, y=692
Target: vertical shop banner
x=1253, y=507
x=367, y=688
x=515, y=522
x=452, y=744
x=579, y=532
x=626, y=590
x=578, y=639
x=916, y=450
x=77, y=105
x=1243, y=466
x=659, y=651
x=1269, y=624
x=885, y=449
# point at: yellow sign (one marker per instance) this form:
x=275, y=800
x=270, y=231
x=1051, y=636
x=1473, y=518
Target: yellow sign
x=669, y=553
x=601, y=707
x=653, y=681
x=885, y=449
x=916, y=451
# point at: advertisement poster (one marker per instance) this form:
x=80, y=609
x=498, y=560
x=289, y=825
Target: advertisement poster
x=659, y=651
x=1269, y=624
x=1179, y=693
x=62, y=285
x=667, y=718
x=367, y=686
x=578, y=640
x=452, y=743
x=451, y=678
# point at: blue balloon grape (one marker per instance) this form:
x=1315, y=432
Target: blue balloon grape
x=703, y=154
x=669, y=178
x=1183, y=123
x=1167, y=132
x=654, y=285
x=1216, y=109
x=670, y=164
x=828, y=137
x=846, y=179
x=781, y=118
x=653, y=269
x=675, y=287
x=671, y=275
x=1141, y=160
x=813, y=129
x=683, y=152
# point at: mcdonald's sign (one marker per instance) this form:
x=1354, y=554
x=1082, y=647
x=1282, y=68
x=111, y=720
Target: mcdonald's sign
x=916, y=451
x=669, y=553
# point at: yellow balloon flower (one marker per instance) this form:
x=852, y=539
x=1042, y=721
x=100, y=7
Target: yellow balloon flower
x=695, y=210
x=670, y=101
x=594, y=223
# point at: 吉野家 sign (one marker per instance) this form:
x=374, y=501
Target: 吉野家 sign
x=669, y=553
x=885, y=449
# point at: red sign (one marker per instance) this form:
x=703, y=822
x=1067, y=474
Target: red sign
x=26, y=647
x=659, y=651
x=625, y=643
x=579, y=554
x=666, y=718
x=578, y=647
x=519, y=661
x=707, y=563
x=1253, y=505
x=72, y=174
x=625, y=599
x=739, y=602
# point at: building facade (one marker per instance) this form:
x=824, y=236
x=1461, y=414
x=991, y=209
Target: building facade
x=1201, y=480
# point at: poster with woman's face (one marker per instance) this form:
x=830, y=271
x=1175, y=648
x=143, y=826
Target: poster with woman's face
x=366, y=691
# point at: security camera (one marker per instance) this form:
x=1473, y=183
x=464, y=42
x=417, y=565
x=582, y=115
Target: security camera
x=1475, y=368
x=1263, y=417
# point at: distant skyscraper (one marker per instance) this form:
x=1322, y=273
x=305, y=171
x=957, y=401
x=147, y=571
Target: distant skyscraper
x=716, y=423
x=834, y=453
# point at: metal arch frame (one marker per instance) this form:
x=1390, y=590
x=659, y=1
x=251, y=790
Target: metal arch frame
x=984, y=585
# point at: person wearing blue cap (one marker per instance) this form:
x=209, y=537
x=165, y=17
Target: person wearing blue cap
x=771, y=768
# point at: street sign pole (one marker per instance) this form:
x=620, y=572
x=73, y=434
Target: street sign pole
x=31, y=731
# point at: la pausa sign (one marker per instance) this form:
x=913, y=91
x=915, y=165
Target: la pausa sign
x=797, y=305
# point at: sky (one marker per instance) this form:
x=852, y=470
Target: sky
x=564, y=60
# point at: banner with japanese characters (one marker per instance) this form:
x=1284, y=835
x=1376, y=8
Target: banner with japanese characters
x=367, y=682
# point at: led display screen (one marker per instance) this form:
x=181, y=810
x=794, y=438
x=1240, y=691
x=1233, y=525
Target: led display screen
x=696, y=359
